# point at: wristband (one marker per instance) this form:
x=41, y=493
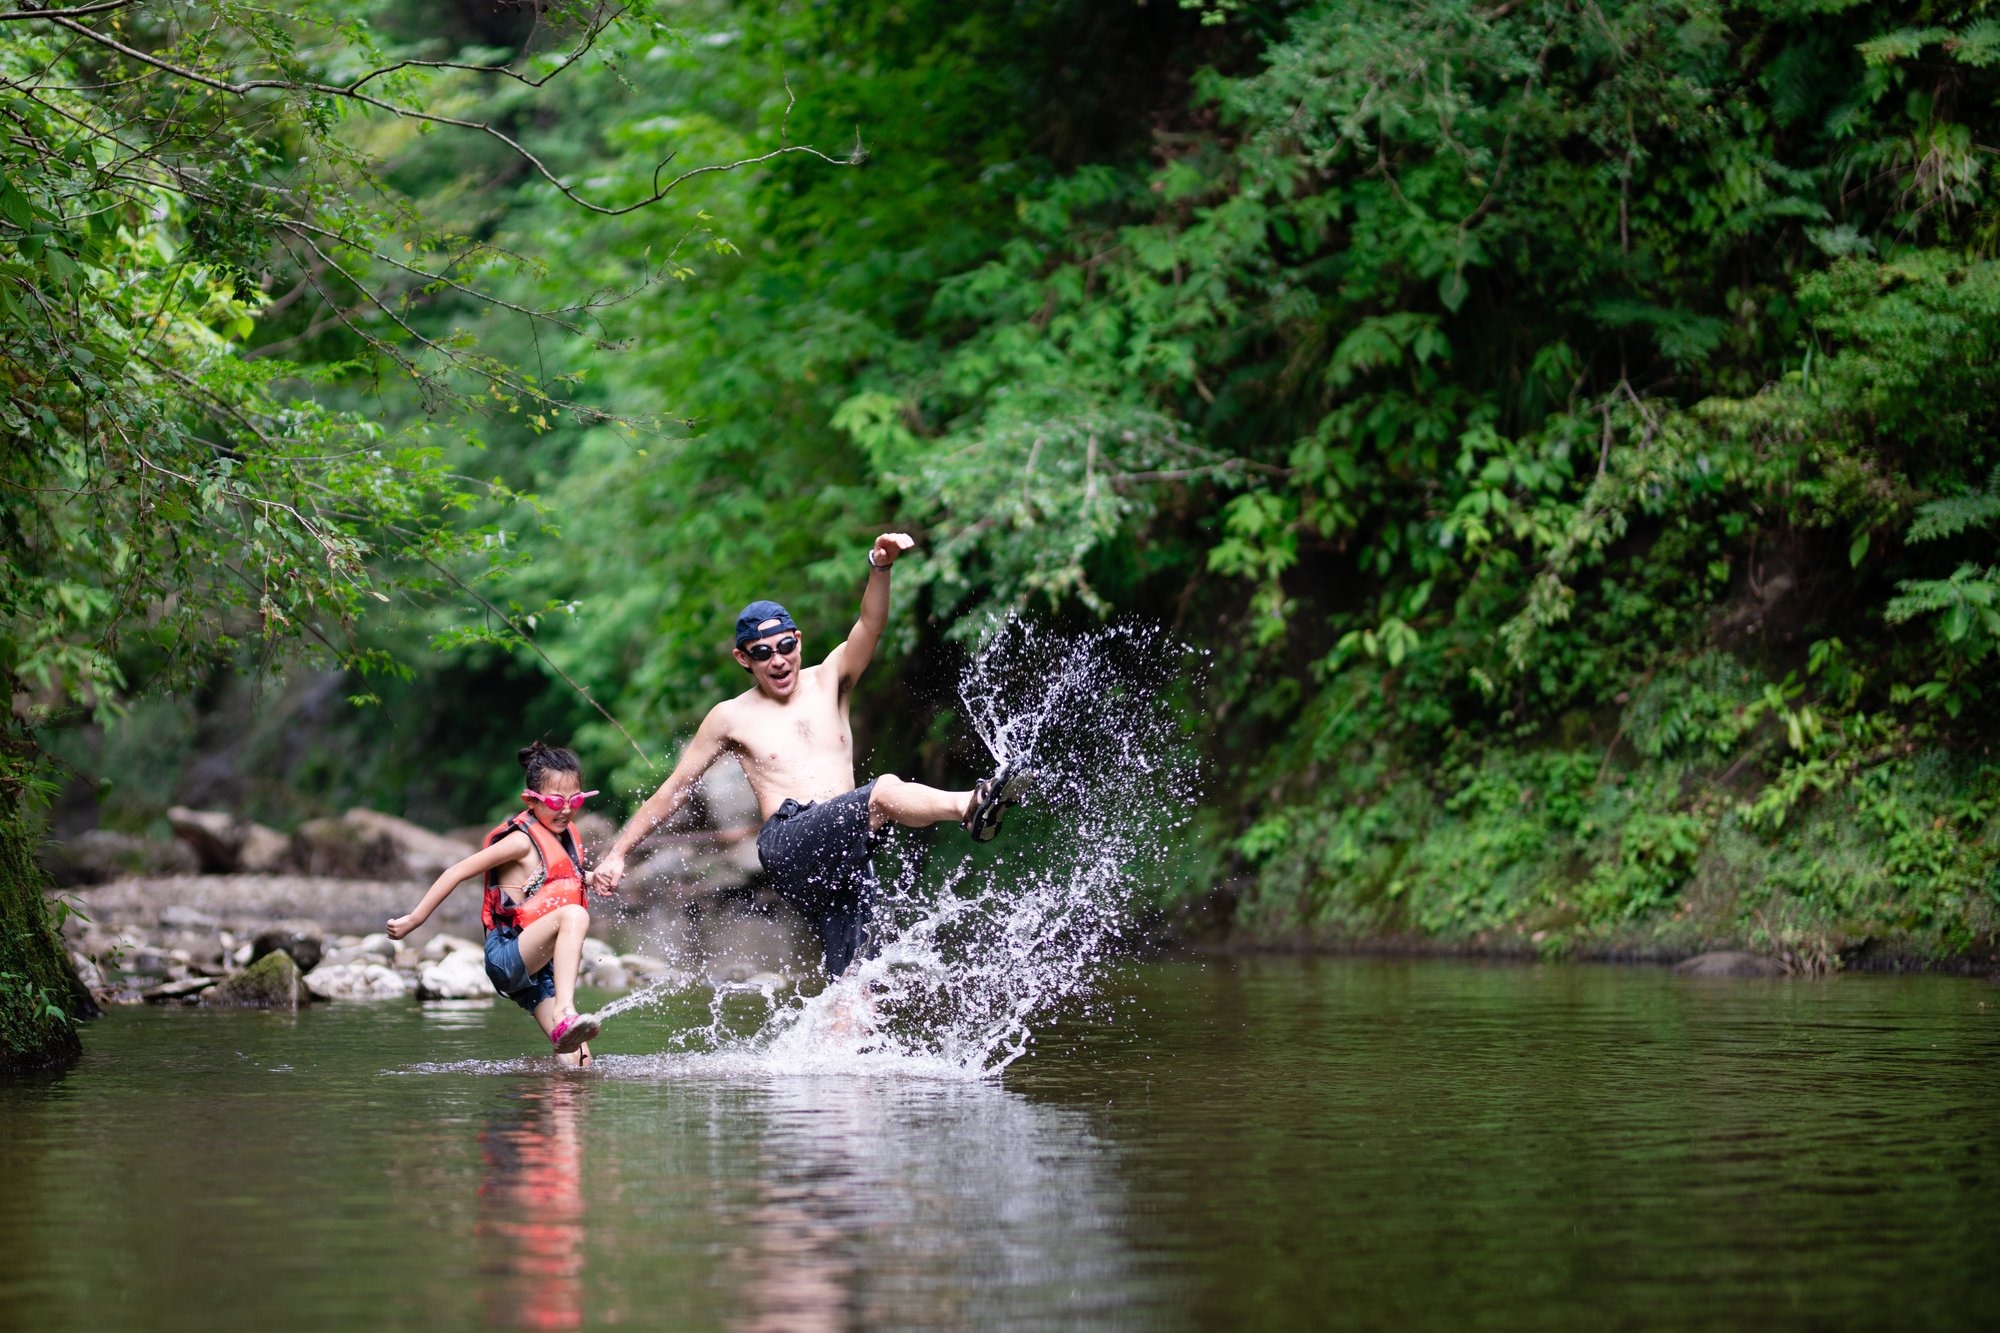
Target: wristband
x=872, y=564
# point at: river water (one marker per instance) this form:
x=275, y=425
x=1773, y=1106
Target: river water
x=1261, y=1143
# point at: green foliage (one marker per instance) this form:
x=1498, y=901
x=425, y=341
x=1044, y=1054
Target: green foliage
x=166, y=497
x=1571, y=429
x=1508, y=394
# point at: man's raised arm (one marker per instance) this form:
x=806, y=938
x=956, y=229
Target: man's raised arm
x=664, y=804
x=859, y=650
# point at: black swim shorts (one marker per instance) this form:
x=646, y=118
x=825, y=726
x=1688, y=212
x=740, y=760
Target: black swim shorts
x=819, y=859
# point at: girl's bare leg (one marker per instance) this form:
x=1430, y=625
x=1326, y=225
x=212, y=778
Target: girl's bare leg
x=547, y=1014
x=559, y=937
x=913, y=805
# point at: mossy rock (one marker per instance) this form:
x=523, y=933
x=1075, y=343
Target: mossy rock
x=40, y=995
x=272, y=982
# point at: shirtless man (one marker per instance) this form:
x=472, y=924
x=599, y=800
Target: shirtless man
x=791, y=732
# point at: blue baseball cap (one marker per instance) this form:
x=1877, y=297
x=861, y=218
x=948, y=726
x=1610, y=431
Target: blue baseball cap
x=758, y=613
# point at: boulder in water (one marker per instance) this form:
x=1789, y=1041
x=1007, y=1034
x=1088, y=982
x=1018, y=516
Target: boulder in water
x=272, y=982
x=594, y=949
x=1729, y=963
x=606, y=974
x=355, y=981
x=461, y=975
x=303, y=940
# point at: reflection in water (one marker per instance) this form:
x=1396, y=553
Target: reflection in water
x=889, y=1203
x=1263, y=1144
x=531, y=1212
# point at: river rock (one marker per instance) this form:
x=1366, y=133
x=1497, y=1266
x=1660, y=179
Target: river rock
x=1729, y=963
x=366, y=844
x=461, y=975
x=594, y=834
x=187, y=990
x=369, y=949
x=303, y=940
x=354, y=981
x=442, y=946
x=87, y=971
x=640, y=965
x=646, y=971
x=197, y=946
x=272, y=982
x=596, y=949
x=264, y=851
x=341, y=906
x=605, y=974
x=187, y=918
x=225, y=845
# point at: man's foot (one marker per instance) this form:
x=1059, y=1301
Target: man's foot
x=994, y=796
x=574, y=1031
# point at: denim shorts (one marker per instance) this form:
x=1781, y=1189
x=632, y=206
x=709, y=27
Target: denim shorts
x=510, y=975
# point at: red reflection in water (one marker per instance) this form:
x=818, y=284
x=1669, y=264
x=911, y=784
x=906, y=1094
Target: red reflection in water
x=531, y=1204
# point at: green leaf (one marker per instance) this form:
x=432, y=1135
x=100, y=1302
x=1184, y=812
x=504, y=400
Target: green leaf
x=14, y=205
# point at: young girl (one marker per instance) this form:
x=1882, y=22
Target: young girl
x=534, y=913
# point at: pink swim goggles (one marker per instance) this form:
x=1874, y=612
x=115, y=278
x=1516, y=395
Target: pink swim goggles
x=560, y=803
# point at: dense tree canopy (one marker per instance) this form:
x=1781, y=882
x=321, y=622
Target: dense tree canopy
x=1569, y=426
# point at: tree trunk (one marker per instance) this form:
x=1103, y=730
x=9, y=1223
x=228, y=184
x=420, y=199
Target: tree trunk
x=41, y=999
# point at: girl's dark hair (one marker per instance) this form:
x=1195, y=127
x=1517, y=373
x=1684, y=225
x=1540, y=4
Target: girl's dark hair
x=541, y=760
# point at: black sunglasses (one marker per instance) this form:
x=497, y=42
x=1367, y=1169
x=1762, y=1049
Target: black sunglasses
x=761, y=652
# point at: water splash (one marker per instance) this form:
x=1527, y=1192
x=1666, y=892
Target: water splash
x=973, y=957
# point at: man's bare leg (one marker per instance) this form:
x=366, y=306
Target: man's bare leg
x=913, y=805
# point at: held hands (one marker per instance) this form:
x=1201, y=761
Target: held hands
x=888, y=546
x=610, y=871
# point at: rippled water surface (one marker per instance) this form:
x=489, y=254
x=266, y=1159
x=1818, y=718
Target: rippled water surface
x=1262, y=1143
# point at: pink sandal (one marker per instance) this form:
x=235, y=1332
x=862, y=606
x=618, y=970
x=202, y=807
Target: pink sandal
x=574, y=1031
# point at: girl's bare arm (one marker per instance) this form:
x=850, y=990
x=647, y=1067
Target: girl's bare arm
x=510, y=848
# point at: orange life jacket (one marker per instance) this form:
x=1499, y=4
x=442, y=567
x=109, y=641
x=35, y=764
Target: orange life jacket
x=557, y=884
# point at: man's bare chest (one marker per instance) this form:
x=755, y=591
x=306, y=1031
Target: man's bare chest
x=778, y=734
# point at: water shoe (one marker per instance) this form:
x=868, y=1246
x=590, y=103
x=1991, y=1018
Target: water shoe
x=994, y=796
x=574, y=1031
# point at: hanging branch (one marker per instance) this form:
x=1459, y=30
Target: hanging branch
x=529, y=639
